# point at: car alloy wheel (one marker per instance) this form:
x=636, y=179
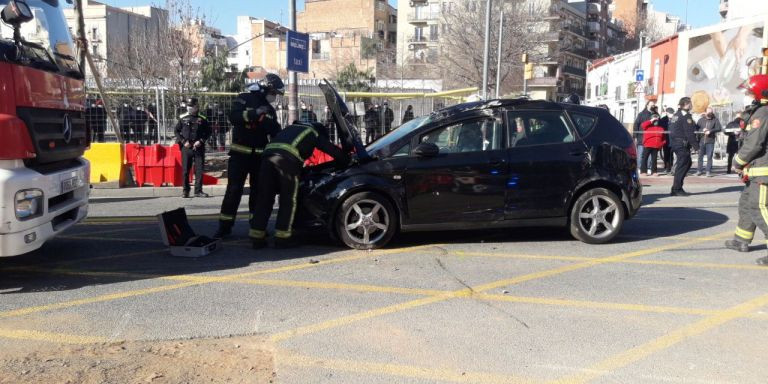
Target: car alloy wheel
x=366, y=221
x=597, y=216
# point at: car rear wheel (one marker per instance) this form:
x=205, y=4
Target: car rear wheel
x=366, y=221
x=597, y=216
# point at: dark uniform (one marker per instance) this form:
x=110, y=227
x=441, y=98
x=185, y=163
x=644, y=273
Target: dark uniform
x=752, y=160
x=682, y=136
x=253, y=120
x=279, y=174
x=192, y=129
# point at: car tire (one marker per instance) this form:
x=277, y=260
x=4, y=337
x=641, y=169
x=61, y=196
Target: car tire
x=366, y=220
x=596, y=226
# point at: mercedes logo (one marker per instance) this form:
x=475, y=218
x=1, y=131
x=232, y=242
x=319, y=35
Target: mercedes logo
x=67, y=129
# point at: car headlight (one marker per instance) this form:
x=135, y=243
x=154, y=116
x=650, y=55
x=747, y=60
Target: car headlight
x=28, y=203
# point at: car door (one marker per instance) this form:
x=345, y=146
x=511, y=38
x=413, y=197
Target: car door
x=465, y=181
x=546, y=160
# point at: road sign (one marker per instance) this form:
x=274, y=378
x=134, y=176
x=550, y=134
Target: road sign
x=298, y=52
x=639, y=87
x=639, y=75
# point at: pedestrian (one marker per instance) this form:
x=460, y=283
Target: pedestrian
x=140, y=125
x=371, y=124
x=408, y=115
x=192, y=131
x=643, y=116
x=312, y=114
x=752, y=163
x=682, y=136
x=279, y=173
x=329, y=123
x=666, y=152
x=126, y=121
x=152, y=123
x=653, y=141
x=387, y=117
x=254, y=122
x=735, y=132
x=708, y=127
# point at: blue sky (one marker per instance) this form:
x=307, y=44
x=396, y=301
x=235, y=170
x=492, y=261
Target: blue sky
x=223, y=13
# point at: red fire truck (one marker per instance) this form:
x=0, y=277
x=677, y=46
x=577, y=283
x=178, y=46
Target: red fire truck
x=43, y=176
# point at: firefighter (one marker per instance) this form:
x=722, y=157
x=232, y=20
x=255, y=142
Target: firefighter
x=682, y=137
x=279, y=174
x=253, y=119
x=192, y=131
x=752, y=164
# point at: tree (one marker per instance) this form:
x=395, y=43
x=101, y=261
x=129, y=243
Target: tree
x=215, y=77
x=142, y=60
x=184, y=44
x=461, y=60
x=353, y=80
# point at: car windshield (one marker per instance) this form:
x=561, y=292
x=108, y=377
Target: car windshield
x=46, y=40
x=395, y=135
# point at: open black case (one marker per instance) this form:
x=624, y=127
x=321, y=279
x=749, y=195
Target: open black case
x=179, y=236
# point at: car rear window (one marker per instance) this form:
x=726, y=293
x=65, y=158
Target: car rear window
x=584, y=123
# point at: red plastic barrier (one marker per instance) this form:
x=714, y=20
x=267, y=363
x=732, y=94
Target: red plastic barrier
x=159, y=165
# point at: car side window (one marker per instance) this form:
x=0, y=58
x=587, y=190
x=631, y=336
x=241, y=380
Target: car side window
x=583, y=122
x=468, y=136
x=405, y=150
x=528, y=128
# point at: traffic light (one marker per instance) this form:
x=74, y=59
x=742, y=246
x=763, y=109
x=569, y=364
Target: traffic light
x=528, y=71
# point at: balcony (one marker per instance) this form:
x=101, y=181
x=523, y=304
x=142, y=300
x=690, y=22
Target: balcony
x=550, y=37
x=575, y=28
x=593, y=45
x=321, y=55
x=567, y=69
x=575, y=51
x=593, y=8
x=593, y=27
x=416, y=3
x=553, y=13
x=546, y=81
x=422, y=17
x=417, y=39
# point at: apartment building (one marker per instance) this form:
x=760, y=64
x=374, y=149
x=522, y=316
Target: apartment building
x=262, y=45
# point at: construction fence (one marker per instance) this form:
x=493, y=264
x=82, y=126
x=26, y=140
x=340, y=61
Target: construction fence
x=150, y=117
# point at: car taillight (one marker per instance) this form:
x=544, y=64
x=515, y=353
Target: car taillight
x=631, y=151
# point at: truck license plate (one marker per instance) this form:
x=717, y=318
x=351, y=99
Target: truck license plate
x=70, y=184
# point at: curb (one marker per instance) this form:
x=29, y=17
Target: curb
x=139, y=192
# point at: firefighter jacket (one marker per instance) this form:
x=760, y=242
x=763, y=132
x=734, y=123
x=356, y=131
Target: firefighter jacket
x=254, y=121
x=191, y=128
x=752, y=156
x=300, y=140
x=682, y=130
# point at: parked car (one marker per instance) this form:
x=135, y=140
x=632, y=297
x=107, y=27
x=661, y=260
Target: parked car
x=487, y=164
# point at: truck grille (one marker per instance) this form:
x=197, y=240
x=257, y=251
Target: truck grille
x=46, y=129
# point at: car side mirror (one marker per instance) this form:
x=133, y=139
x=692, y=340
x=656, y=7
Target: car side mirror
x=16, y=12
x=426, y=150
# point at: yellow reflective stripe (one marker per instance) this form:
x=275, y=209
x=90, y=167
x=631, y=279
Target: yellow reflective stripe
x=285, y=147
x=257, y=234
x=245, y=115
x=245, y=149
x=282, y=234
x=224, y=217
x=757, y=171
x=763, y=209
x=744, y=234
x=304, y=134
x=293, y=198
x=738, y=160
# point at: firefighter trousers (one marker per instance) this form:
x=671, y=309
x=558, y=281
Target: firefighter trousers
x=753, y=212
x=190, y=157
x=278, y=174
x=239, y=167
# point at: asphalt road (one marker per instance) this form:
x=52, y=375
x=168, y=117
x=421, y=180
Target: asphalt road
x=664, y=303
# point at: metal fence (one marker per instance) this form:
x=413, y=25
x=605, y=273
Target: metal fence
x=150, y=117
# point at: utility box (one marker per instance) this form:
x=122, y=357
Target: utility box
x=181, y=239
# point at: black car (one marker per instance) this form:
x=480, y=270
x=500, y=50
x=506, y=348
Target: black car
x=489, y=164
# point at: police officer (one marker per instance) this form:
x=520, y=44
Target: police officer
x=752, y=163
x=279, y=174
x=192, y=131
x=682, y=136
x=253, y=119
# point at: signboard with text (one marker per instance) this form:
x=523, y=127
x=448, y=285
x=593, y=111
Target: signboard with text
x=298, y=52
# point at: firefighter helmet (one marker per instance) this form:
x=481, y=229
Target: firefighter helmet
x=757, y=86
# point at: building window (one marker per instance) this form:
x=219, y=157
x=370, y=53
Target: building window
x=433, y=35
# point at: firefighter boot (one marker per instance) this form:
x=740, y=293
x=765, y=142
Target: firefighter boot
x=223, y=231
x=737, y=245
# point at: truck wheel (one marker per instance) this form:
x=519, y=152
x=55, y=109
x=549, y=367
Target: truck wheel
x=366, y=221
x=597, y=216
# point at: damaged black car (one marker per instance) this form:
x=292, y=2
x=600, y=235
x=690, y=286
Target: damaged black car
x=477, y=165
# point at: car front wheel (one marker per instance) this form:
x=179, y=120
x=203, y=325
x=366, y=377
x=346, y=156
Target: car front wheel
x=597, y=216
x=366, y=221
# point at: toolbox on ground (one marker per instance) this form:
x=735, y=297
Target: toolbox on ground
x=179, y=236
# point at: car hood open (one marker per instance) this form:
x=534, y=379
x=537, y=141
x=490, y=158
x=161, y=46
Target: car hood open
x=349, y=135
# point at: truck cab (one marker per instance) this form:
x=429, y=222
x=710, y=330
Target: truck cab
x=43, y=176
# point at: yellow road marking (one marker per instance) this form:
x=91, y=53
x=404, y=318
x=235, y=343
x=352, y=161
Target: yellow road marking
x=594, y=304
x=62, y=338
x=408, y=371
x=96, y=238
x=346, y=320
x=661, y=343
x=342, y=287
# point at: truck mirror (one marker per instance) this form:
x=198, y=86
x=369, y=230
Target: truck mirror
x=16, y=12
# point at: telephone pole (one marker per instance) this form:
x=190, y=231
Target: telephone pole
x=293, y=82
